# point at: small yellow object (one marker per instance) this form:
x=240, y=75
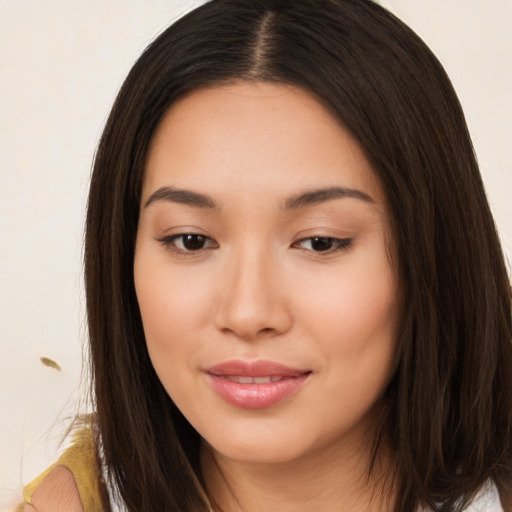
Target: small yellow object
x=51, y=363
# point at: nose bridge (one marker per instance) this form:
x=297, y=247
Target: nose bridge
x=251, y=302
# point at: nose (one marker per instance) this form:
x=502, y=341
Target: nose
x=252, y=300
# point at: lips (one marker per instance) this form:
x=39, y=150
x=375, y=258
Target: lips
x=255, y=385
x=252, y=380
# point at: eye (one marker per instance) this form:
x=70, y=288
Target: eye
x=324, y=244
x=188, y=242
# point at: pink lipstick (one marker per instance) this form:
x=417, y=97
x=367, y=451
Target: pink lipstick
x=255, y=385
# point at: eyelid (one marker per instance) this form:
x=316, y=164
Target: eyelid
x=340, y=244
x=168, y=242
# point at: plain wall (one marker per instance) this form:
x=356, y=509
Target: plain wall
x=61, y=64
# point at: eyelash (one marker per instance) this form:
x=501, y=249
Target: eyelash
x=169, y=243
x=337, y=244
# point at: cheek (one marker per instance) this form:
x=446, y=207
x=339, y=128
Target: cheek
x=171, y=335
x=173, y=307
x=171, y=299
x=358, y=302
x=356, y=329
x=168, y=306
x=354, y=316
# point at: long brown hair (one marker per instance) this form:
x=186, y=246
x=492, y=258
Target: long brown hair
x=448, y=408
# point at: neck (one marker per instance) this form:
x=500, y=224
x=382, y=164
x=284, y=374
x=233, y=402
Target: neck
x=337, y=479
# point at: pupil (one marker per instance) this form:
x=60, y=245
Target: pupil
x=193, y=242
x=321, y=244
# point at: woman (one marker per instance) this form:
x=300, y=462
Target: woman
x=296, y=295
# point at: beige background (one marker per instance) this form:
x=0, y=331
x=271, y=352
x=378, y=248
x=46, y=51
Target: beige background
x=61, y=63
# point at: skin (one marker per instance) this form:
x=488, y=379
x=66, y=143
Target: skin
x=259, y=288
x=57, y=492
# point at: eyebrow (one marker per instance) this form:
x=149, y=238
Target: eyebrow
x=322, y=195
x=181, y=196
x=302, y=200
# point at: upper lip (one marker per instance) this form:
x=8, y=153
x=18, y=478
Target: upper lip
x=261, y=368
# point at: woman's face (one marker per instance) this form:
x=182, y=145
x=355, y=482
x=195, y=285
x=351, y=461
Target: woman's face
x=262, y=271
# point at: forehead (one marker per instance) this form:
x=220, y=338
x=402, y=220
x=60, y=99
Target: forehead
x=248, y=133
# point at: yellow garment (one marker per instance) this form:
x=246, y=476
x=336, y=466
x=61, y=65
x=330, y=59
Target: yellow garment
x=80, y=459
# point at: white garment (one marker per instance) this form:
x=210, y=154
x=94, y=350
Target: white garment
x=487, y=500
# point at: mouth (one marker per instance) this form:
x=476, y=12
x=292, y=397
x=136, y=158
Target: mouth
x=255, y=385
x=253, y=380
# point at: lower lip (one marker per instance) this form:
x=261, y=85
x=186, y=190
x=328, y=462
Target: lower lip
x=256, y=396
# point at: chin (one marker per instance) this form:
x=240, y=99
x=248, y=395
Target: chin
x=269, y=445
x=273, y=440
x=259, y=453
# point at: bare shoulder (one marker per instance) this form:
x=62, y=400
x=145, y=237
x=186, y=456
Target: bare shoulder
x=56, y=493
